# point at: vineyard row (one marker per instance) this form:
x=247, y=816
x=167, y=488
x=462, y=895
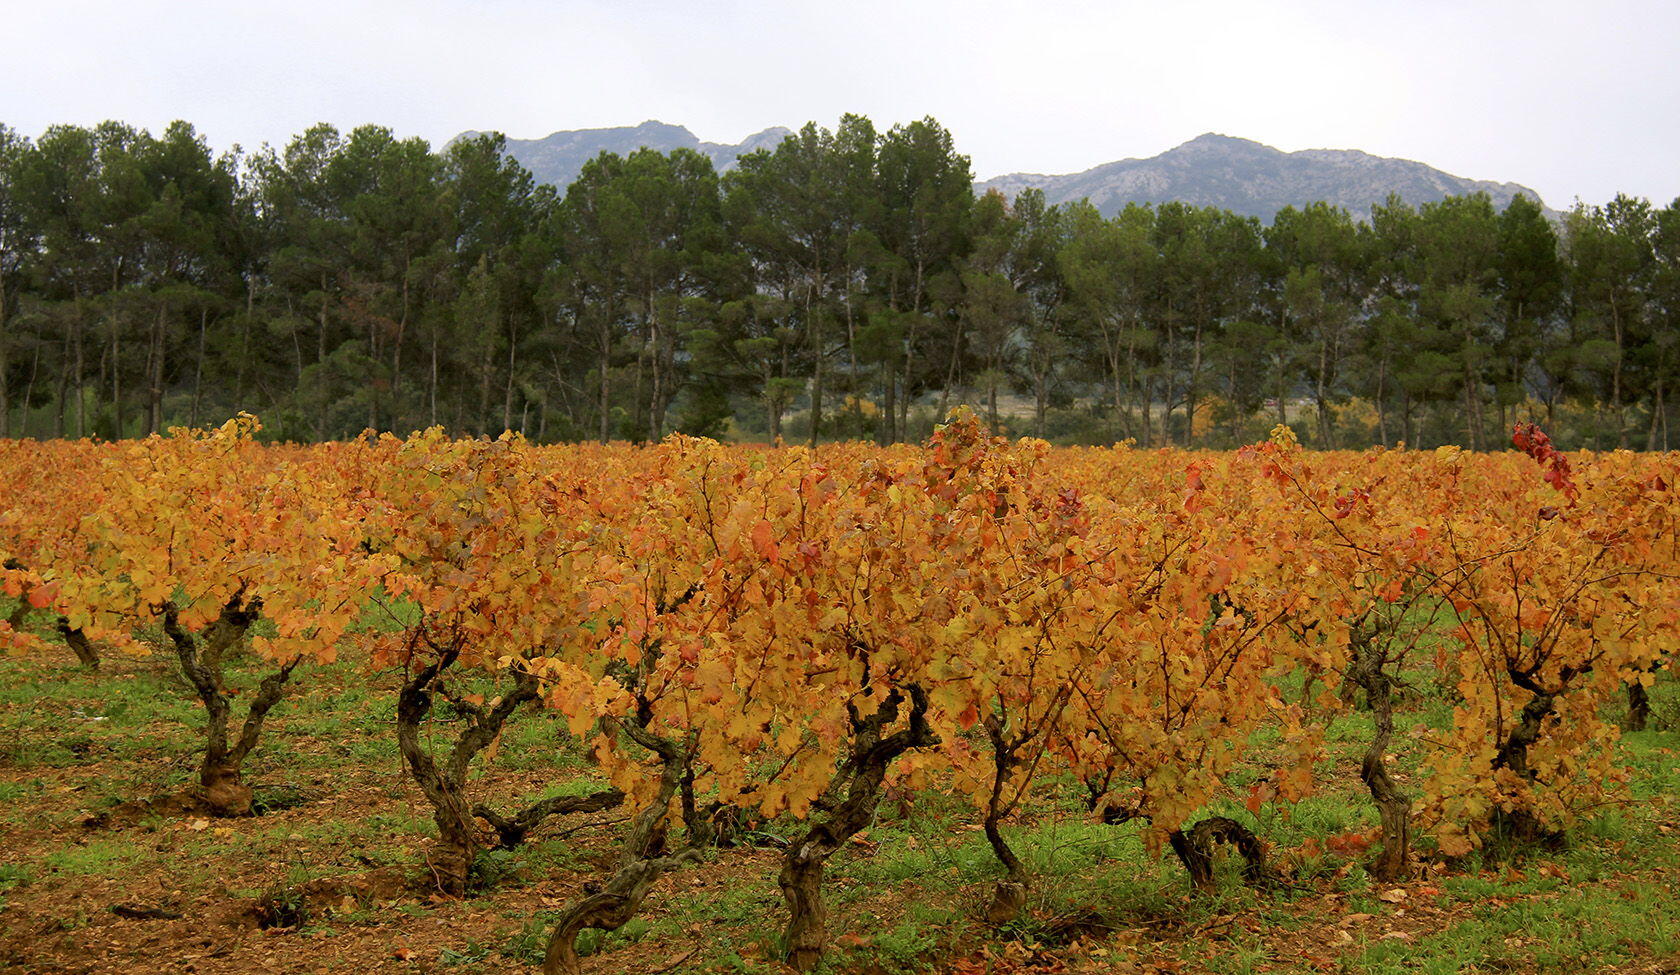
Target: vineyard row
x=742, y=635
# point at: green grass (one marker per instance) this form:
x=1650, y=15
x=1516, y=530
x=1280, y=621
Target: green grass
x=13, y=875
x=915, y=942
x=98, y=857
x=907, y=899
x=1575, y=930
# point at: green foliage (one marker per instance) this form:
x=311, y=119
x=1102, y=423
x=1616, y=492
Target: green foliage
x=834, y=285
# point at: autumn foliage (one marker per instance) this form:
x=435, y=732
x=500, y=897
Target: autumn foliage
x=743, y=634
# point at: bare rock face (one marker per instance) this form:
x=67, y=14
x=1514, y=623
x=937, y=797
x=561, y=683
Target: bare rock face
x=1257, y=180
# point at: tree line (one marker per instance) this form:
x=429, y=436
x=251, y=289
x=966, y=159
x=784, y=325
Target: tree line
x=847, y=284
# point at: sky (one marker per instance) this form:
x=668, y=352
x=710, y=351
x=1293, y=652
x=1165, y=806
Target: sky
x=1574, y=100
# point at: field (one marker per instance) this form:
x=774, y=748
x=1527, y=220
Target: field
x=1001, y=690
x=908, y=898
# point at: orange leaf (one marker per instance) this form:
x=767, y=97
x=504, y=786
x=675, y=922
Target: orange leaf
x=764, y=542
x=42, y=596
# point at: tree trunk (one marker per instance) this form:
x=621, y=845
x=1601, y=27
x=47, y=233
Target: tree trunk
x=1472, y=408
x=1393, y=806
x=444, y=785
x=889, y=405
x=1010, y=894
x=154, y=373
x=432, y=384
x=320, y=357
x=1656, y=417
x=641, y=865
x=79, y=644
x=907, y=383
x=5, y=363
x=656, y=375
x=813, y=337
x=773, y=408
x=394, y=414
x=62, y=392
x=1616, y=378
x=806, y=859
x=244, y=339
x=220, y=775
x=1382, y=411
x=1639, y=706
x=1195, y=851
x=605, y=399
x=1192, y=388
x=29, y=391
x=198, y=366
x=1520, y=825
x=507, y=394
x=1041, y=397
x=116, y=377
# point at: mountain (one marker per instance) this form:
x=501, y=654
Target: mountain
x=1254, y=179
x=1210, y=170
x=558, y=158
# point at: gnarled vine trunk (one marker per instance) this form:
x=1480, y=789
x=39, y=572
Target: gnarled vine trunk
x=806, y=859
x=445, y=784
x=1639, y=705
x=1394, y=807
x=79, y=644
x=1010, y=894
x=610, y=906
x=1195, y=851
x=221, y=783
x=1521, y=825
x=1009, y=897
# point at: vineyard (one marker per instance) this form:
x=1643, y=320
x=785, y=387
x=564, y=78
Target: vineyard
x=978, y=705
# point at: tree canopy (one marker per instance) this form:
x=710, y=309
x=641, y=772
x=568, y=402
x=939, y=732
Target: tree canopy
x=847, y=283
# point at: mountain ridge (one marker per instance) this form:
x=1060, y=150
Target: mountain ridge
x=1241, y=175
x=1255, y=179
x=558, y=157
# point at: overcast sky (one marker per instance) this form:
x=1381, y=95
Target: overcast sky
x=1573, y=99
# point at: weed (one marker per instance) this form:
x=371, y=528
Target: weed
x=281, y=907
x=471, y=954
